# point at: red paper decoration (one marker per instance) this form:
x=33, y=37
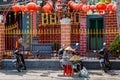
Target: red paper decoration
x=110, y=7
x=38, y=7
x=31, y=6
x=16, y=8
x=101, y=6
x=86, y=8
x=22, y=8
x=92, y=7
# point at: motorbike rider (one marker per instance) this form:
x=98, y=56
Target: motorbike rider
x=19, y=55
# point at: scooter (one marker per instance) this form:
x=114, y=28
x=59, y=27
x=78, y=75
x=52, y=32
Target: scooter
x=104, y=61
x=18, y=64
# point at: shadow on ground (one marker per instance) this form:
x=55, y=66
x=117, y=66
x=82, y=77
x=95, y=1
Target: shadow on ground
x=13, y=72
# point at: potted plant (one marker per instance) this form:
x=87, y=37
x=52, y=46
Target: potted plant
x=55, y=46
x=115, y=46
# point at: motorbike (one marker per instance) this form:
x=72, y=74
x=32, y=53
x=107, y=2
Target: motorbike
x=104, y=61
x=17, y=61
x=77, y=65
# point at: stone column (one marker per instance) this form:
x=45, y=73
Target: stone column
x=65, y=31
x=2, y=42
x=82, y=36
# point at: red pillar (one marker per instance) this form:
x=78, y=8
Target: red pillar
x=83, y=36
x=34, y=22
x=65, y=31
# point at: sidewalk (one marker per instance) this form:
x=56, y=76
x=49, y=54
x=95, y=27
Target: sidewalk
x=56, y=75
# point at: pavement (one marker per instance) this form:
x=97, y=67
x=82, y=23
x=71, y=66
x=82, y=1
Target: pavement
x=56, y=75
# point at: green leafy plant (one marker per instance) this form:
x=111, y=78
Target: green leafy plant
x=115, y=46
x=55, y=46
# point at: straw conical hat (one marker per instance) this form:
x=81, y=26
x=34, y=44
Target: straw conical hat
x=75, y=58
x=69, y=48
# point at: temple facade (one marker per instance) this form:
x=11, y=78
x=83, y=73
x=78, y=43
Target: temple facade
x=46, y=32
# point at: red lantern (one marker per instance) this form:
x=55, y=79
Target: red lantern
x=114, y=8
x=69, y=3
x=110, y=7
x=76, y=7
x=92, y=7
x=38, y=7
x=16, y=8
x=50, y=6
x=26, y=10
x=22, y=8
x=59, y=0
x=46, y=8
x=86, y=8
x=101, y=6
x=31, y=6
x=80, y=6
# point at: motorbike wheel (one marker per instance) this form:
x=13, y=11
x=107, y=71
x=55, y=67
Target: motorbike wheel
x=108, y=65
x=19, y=67
x=104, y=68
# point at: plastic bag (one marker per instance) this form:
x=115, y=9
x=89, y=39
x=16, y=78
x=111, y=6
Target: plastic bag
x=84, y=73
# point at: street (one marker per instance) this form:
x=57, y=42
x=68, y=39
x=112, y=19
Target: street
x=56, y=75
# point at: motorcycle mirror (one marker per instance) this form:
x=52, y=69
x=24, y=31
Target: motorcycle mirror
x=94, y=51
x=62, y=45
x=77, y=44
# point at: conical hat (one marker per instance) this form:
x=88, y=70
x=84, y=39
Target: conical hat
x=75, y=58
x=69, y=48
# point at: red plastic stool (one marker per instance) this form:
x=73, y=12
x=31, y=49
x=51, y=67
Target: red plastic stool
x=71, y=71
x=66, y=70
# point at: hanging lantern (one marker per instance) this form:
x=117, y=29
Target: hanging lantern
x=92, y=7
x=86, y=8
x=80, y=6
x=50, y=3
x=22, y=8
x=110, y=7
x=69, y=3
x=31, y=7
x=16, y=8
x=76, y=7
x=101, y=6
x=38, y=7
x=26, y=10
x=46, y=8
x=59, y=0
x=114, y=8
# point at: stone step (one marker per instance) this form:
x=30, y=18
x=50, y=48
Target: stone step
x=55, y=64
